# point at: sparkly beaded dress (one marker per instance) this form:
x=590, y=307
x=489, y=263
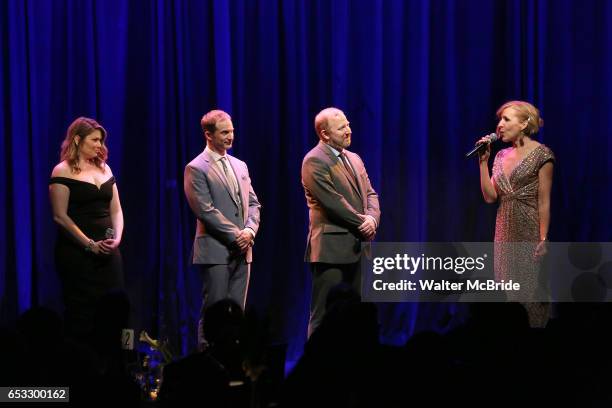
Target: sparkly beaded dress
x=518, y=222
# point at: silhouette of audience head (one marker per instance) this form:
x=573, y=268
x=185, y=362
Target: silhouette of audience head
x=41, y=325
x=223, y=322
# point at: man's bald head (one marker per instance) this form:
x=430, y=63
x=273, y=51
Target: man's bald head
x=322, y=119
x=333, y=128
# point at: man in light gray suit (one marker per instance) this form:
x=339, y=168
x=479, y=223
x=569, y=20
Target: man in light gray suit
x=343, y=210
x=219, y=192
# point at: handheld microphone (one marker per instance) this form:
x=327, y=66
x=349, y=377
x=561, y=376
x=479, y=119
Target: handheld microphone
x=481, y=146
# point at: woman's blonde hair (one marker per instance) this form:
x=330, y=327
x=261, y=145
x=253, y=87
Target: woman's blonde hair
x=526, y=112
x=82, y=127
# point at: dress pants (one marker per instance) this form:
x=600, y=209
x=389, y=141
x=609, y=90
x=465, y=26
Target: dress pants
x=222, y=281
x=324, y=277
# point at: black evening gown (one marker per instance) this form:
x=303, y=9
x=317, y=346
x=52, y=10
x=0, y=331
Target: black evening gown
x=86, y=277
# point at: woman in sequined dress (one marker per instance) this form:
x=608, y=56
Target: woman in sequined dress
x=521, y=183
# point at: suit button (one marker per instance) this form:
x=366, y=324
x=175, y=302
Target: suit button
x=236, y=214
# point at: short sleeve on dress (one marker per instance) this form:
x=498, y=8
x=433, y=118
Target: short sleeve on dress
x=546, y=156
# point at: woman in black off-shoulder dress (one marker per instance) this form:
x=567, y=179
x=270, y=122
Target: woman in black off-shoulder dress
x=86, y=207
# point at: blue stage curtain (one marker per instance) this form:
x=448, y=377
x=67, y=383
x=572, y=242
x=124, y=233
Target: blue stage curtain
x=419, y=80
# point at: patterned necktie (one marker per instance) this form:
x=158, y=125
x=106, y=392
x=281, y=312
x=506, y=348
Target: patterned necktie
x=232, y=182
x=224, y=169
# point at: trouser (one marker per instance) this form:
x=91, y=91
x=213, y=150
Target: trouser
x=324, y=277
x=222, y=281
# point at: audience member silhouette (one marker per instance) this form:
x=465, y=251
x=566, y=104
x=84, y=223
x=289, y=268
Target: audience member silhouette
x=495, y=358
x=204, y=378
x=339, y=366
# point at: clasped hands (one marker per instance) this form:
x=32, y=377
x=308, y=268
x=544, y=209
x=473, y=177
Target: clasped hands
x=244, y=240
x=368, y=227
x=105, y=246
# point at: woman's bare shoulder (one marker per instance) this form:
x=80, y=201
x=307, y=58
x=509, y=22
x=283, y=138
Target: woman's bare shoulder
x=62, y=169
x=107, y=170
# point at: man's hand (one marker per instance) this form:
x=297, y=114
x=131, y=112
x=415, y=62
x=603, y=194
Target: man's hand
x=368, y=228
x=244, y=239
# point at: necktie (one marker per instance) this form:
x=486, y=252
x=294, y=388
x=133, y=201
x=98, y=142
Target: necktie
x=231, y=181
x=347, y=165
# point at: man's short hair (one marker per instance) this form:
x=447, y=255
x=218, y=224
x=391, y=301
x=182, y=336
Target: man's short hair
x=209, y=120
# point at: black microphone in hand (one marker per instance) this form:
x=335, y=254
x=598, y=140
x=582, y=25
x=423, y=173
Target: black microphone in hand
x=481, y=146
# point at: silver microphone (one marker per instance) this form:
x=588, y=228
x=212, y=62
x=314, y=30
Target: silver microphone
x=492, y=138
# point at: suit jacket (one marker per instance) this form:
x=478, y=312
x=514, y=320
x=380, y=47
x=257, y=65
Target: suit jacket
x=334, y=200
x=217, y=213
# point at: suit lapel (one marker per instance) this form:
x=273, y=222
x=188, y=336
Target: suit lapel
x=336, y=163
x=212, y=165
x=352, y=178
x=242, y=188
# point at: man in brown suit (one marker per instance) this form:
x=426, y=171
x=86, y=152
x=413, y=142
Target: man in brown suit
x=344, y=210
